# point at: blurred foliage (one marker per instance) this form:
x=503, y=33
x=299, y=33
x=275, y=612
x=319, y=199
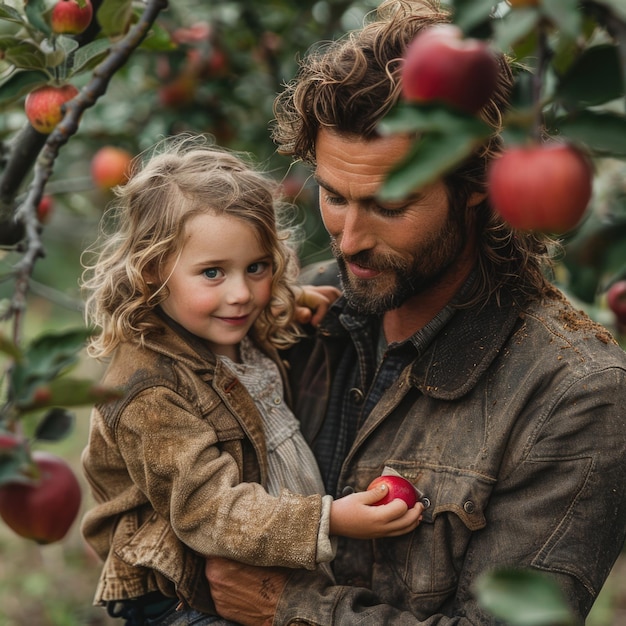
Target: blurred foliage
x=215, y=67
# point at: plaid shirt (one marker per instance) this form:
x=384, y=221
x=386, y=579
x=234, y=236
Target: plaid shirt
x=366, y=370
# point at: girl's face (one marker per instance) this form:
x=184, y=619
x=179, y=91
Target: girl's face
x=220, y=282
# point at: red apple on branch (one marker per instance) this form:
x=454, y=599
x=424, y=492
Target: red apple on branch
x=397, y=487
x=45, y=509
x=110, y=166
x=68, y=17
x=543, y=187
x=45, y=208
x=616, y=300
x=441, y=66
x=43, y=106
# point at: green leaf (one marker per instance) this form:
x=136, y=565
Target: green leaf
x=595, y=78
x=35, y=10
x=22, y=54
x=443, y=139
x=603, y=132
x=430, y=158
x=90, y=55
x=114, y=16
x=56, y=424
x=468, y=14
x=158, y=40
x=514, y=27
x=14, y=464
x=523, y=598
x=19, y=83
x=45, y=358
x=65, y=391
x=413, y=118
x=53, y=352
x=10, y=14
x=566, y=16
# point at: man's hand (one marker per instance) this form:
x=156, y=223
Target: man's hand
x=245, y=594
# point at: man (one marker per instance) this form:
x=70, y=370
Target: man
x=451, y=359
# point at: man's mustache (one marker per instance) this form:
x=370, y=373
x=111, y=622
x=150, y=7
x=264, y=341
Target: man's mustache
x=368, y=259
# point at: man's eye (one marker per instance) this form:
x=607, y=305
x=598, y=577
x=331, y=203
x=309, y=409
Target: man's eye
x=388, y=212
x=336, y=200
x=212, y=272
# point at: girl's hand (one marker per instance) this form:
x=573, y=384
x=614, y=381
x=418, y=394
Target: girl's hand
x=354, y=516
x=313, y=302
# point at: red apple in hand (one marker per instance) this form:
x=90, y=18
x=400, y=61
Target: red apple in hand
x=43, y=106
x=71, y=18
x=544, y=187
x=441, y=66
x=46, y=509
x=397, y=487
x=110, y=166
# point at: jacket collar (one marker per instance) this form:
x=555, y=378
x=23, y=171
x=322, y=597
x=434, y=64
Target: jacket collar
x=454, y=349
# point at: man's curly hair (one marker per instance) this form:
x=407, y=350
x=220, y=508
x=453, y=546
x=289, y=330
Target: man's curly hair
x=349, y=85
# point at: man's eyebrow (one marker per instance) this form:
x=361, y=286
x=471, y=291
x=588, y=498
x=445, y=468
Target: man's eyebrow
x=320, y=181
x=413, y=197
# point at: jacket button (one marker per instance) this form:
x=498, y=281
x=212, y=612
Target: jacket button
x=346, y=491
x=469, y=507
x=426, y=502
x=356, y=395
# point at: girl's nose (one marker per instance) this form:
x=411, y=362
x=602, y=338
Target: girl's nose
x=238, y=291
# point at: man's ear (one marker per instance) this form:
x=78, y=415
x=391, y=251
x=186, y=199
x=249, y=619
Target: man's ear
x=476, y=198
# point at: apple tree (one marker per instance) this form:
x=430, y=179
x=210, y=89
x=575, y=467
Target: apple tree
x=565, y=130
x=85, y=85
x=39, y=494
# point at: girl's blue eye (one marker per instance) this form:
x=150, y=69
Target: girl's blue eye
x=212, y=272
x=258, y=268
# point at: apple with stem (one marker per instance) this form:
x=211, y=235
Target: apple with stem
x=110, y=166
x=43, y=106
x=45, y=508
x=441, y=66
x=70, y=17
x=397, y=487
x=543, y=187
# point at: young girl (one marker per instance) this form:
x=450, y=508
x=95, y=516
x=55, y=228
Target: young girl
x=193, y=292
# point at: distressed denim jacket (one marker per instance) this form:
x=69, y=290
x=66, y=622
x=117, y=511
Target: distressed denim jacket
x=511, y=419
x=173, y=467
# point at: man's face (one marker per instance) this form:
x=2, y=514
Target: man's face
x=387, y=252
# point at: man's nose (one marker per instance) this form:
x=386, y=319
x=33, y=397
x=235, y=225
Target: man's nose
x=357, y=233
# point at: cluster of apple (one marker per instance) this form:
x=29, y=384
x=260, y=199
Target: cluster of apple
x=43, y=106
x=539, y=186
x=44, y=503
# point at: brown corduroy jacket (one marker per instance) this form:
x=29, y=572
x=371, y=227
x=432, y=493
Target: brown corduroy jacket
x=177, y=468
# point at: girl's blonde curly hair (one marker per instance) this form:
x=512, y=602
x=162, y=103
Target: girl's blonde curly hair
x=183, y=177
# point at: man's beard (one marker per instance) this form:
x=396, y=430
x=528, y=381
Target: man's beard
x=401, y=277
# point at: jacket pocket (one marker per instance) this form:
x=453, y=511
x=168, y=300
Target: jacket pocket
x=424, y=565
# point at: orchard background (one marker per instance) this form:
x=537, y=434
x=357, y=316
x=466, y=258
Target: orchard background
x=146, y=70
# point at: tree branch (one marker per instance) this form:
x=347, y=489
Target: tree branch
x=88, y=96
